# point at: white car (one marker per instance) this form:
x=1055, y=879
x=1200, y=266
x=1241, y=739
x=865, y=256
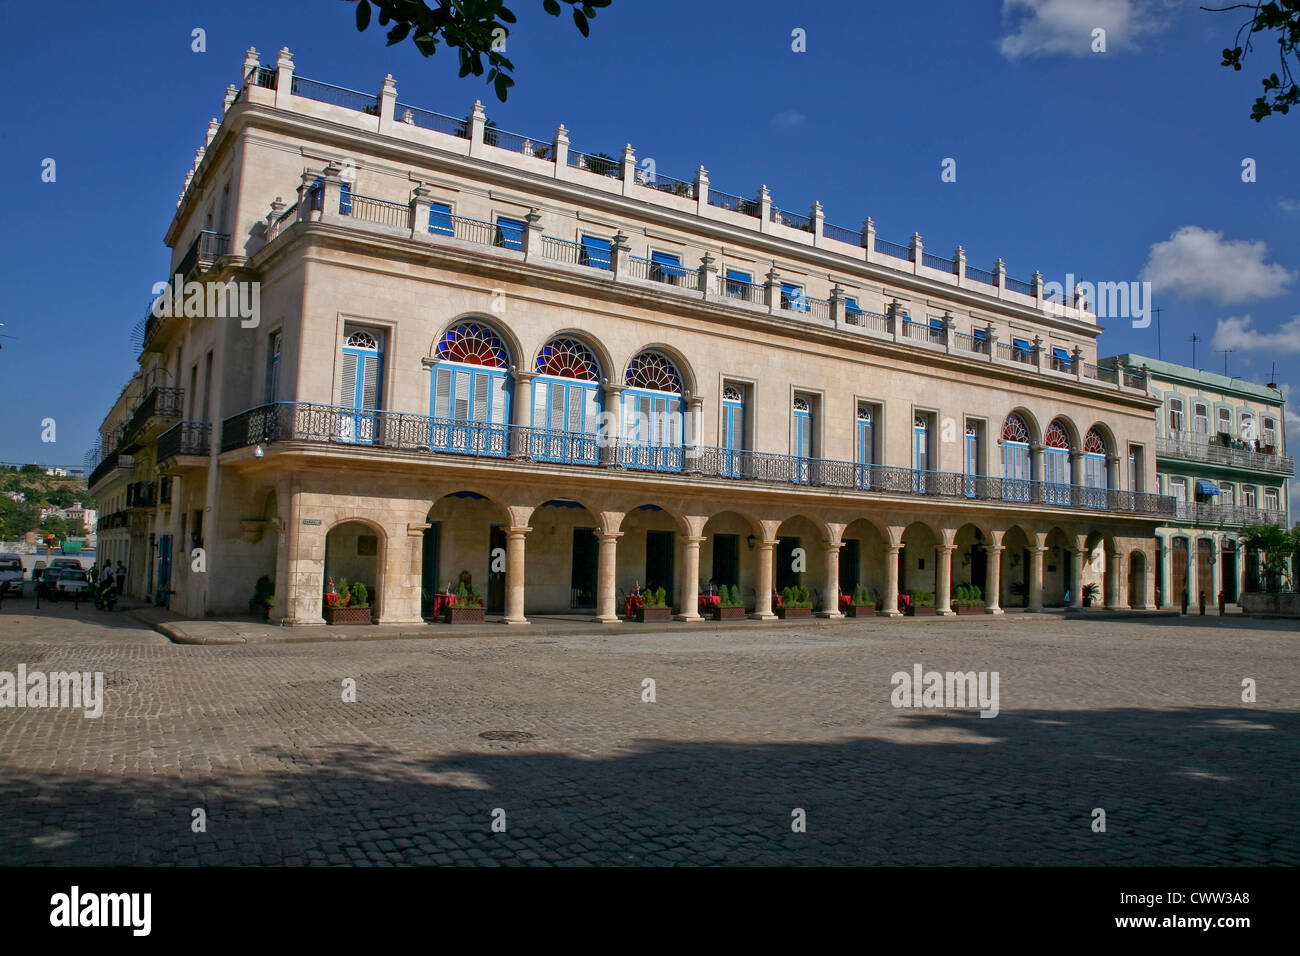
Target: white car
x=73, y=583
x=11, y=575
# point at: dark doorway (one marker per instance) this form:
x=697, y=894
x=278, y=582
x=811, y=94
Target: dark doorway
x=429, y=568
x=495, y=600
x=1178, y=586
x=850, y=565
x=786, y=576
x=1229, y=572
x=726, y=560
x=1204, y=576
x=659, y=561
x=979, y=567
x=583, y=584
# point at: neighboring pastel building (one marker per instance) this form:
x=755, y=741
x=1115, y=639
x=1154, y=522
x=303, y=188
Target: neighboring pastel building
x=494, y=354
x=1221, y=453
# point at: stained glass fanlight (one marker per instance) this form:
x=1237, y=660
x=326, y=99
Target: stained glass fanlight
x=1014, y=429
x=473, y=343
x=568, y=358
x=1094, y=443
x=654, y=372
x=1057, y=436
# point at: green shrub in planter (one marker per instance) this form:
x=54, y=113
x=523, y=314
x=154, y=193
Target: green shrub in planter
x=360, y=596
x=729, y=597
x=657, y=597
x=796, y=597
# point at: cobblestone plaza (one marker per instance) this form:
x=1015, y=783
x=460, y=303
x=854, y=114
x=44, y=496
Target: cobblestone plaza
x=1143, y=718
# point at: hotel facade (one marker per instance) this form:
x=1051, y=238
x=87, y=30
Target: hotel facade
x=482, y=355
x=1221, y=454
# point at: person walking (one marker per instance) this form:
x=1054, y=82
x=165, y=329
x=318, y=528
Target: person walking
x=121, y=578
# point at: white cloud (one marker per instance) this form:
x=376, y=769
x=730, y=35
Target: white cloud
x=1047, y=27
x=788, y=118
x=1289, y=205
x=1199, y=263
x=1239, y=333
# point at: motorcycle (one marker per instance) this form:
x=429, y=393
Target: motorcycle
x=106, y=595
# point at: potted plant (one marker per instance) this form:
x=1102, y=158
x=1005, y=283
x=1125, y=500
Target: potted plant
x=654, y=606
x=468, y=607
x=796, y=602
x=730, y=607
x=968, y=599
x=263, y=598
x=1090, y=594
x=863, y=603
x=922, y=603
x=352, y=605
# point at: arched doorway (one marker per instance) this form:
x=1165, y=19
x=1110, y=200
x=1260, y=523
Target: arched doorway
x=1137, y=579
x=1014, y=574
x=1178, y=587
x=971, y=560
x=354, y=551
x=862, y=558
x=465, y=541
x=1228, y=570
x=727, y=556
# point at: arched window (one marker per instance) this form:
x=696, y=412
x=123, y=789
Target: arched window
x=566, y=402
x=652, y=413
x=1017, y=472
x=469, y=398
x=360, y=384
x=1056, y=462
x=1094, y=461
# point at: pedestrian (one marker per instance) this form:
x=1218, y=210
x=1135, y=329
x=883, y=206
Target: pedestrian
x=1223, y=604
x=121, y=578
x=1202, y=604
x=1184, y=600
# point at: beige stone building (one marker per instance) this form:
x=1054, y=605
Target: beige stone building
x=565, y=376
x=1221, y=454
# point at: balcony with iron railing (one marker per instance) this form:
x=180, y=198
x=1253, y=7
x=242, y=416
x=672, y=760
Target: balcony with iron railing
x=207, y=248
x=1213, y=514
x=1196, y=448
x=531, y=245
x=159, y=406
x=351, y=430
x=183, y=440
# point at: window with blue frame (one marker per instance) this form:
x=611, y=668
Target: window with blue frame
x=360, y=385
x=596, y=252
x=469, y=397
x=740, y=284
x=793, y=298
x=1094, y=467
x=866, y=445
x=345, y=198
x=938, y=332
x=1017, y=472
x=510, y=233
x=733, y=430
x=666, y=267
x=440, y=219
x=1061, y=360
x=566, y=403
x=1056, y=463
x=801, y=437
x=852, y=310
x=653, y=424
x=979, y=340
x=971, y=458
x=1021, y=350
x=921, y=449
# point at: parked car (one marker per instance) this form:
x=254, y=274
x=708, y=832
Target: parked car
x=72, y=583
x=65, y=563
x=11, y=575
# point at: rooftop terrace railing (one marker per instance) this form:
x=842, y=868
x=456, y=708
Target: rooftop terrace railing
x=399, y=431
x=1191, y=448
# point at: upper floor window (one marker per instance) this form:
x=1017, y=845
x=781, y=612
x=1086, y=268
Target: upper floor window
x=471, y=390
x=1056, y=454
x=361, y=384
x=1248, y=427
x=596, y=252
x=652, y=411
x=1021, y=350
x=272, y=368
x=440, y=219
x=1061, y=361
x=667, y=267
x=1270, y=499
x=1175, y=415
x=510, y=233
x=793, y=298
x=1225, y=421
x=566, y=398
x=1247, y=496
x=1269, y=437
x=1201, y=419
x=866, y=419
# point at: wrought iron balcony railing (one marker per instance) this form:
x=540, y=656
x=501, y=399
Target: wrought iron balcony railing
x=1188, y=448
x=206, y=248
x=376, y=428
x=184, y=438
x=1224, y=515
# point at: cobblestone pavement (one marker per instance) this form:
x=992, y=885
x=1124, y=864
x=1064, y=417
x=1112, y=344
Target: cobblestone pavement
x=1143, y=719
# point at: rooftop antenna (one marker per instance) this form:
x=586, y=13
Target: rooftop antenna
x=1225, y=359
x=1157, y=312
x=1194, y=339
x=1272, y=376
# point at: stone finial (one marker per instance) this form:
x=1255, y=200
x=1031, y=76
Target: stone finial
x=629, y=152
x=232, y=94
x=251, y=60
x=198, y=156
x=285, y=58
x=390, y=85
x=478, y=109
x=701, y=171
x=213, y=126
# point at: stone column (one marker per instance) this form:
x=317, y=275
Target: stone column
x=521, y=409
x=831, y=590
x=890, y=598
x=1114, y=577
x=606, y=564
x=689, y=589
x=1036, y=555
x=943, y=581
x=515, y=575
x=993, y=581
x=1076, y=577
x=701, y=190
x=420, y=203
x=477, y=123
x=763, y=598
x=387, y=99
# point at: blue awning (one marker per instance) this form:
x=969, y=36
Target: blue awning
x=1204, y=487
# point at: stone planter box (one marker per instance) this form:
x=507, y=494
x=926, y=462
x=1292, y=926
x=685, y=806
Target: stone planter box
x=914, y=611
x=728, y=613
x=348, y=615
x=968, y=608
x=653, y=614
x=794, y=613
x=864, y=610
x=456, y=614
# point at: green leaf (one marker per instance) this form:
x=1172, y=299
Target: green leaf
x=363, y=15
x=506, y=16
x=398, y=33
x=581, y=22
x=552, y=7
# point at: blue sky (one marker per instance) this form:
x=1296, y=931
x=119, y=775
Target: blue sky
x=1115, y=166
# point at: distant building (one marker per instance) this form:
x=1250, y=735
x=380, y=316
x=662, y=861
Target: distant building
x=1221, y=453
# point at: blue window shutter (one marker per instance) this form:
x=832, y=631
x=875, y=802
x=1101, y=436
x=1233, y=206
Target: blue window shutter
x=667, y=264
x=1022, y=345
x=510, y=233
x=348, y=383
x=596, y=252
x=440, y=219
x=979, y=333
x=851, y=306
x=737, y=276
x=440, y=399
x=345, y=199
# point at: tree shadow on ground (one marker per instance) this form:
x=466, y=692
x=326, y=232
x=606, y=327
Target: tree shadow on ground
x=1204, y=786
